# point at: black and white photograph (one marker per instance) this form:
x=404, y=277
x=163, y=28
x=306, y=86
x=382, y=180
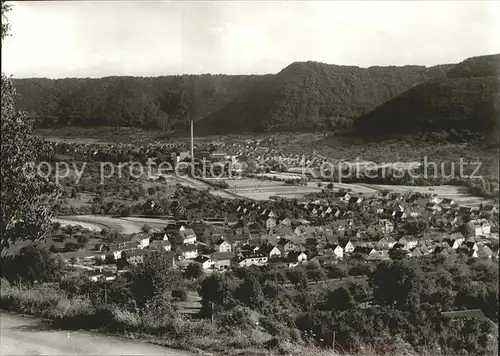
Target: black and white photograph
x=250, y=178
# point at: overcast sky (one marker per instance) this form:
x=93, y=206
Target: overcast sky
x=95, y=39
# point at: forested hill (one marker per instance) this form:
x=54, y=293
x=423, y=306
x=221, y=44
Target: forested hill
x=466, y=101
x=163, y=102
x=310, y=96
x=304, y=96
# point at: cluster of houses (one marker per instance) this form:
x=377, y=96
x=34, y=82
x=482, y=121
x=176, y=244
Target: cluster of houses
x=327, y=231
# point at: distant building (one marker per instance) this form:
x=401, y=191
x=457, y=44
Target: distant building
x=204, y=261
x=161, y=245
x=142, y=240
x=188, y=251
x=222, y=260
x=222, y=246
x=134, y=257
x=251, y=258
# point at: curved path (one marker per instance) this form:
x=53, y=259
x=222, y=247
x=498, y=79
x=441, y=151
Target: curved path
x=102, y=221
x=27, y=336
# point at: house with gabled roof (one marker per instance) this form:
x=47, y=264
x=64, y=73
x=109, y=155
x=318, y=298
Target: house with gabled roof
x=386, y=226
x=285, y=246
x=434, y=208
x=175, y=227
x=355, y=200
x=250, y=259
x=489, y=208
x=115, y=250
x=364, y=250
x=484, y=252
x=134, y=257
x=348, y=246
x=344, y=196
x=454, y=240
x=294, y=258
x=282, y=231
x=386, y=243
x=443, y=251
x=142, y=240
x=478, y=227
x=416, y=252
x=270, y=251
x=205, y=261
x=185, y=236
x=222, y=260
x=160, y=245
x=334, y=250
x=188, y=251
x=447, y=201
x=408, y=242
x=270, y=223
x=158, y=236
x=221, y=245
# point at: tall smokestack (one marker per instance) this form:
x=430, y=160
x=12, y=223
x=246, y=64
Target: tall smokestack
x=192, y=144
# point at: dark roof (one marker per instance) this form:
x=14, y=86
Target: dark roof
x=283, y=242
x=132, y=253
x=362, y=249
x=219, y=256
x=266, y=249
x=470, y=313
x=187, y=248
x=201, y=259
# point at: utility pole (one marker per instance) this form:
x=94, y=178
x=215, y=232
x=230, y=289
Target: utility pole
x=105, y=293
x=333, y=340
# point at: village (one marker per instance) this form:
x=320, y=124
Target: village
x=346, y=226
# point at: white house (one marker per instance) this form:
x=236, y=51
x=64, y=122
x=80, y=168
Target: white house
x=161, y=245
x=348, y=247
x=204, y=261
x=338, y=251
x=222, y=246
x=142, y=240
x=294, y=258
x=189, y=251
x=270, y=223
x=480, y=227
x=222, y=260
x=270, y=251
x=250, y=259
x=134, y=257
x=386, y=226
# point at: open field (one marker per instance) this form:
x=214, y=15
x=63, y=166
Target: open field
x=197, y=184
x=264, y=189
x=457, y=193
x=365, y=189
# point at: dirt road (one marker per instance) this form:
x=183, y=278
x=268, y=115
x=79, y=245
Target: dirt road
x=26, y=336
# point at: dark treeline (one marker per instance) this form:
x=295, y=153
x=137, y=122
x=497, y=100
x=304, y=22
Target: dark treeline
x=305, y=96
x=160, y=102
x=465, y=102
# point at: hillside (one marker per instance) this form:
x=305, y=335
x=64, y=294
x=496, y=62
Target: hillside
x=467, y=100
x=163, y=102
x=304, y=96
x=310, y=95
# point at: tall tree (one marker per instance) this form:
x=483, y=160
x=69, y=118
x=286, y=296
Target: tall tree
x=25, y=194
